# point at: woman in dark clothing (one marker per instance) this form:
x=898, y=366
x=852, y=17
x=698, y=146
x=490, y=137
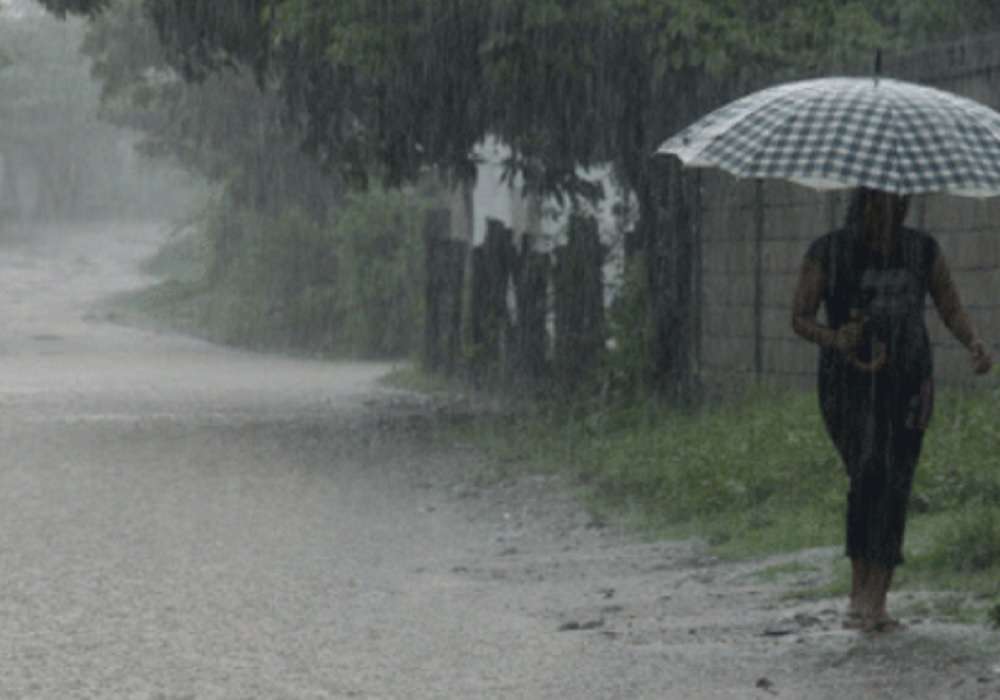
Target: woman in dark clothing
x=875, y=373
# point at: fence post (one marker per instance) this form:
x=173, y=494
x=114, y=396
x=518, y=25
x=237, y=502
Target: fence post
x=672, y=257
x=445, y=263
x=528, y=357
x=489, y=320
x=579, y=301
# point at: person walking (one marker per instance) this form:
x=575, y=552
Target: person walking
x=875, y=376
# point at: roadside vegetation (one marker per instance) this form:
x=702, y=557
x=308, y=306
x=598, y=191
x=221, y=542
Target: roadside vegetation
x=342, y=289
x=755, y=475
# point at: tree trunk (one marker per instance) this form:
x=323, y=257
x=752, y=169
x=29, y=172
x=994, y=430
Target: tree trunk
x=579, y=303
x=445, y=262
x=669, y=230
x=528, y=359
x=492, y=265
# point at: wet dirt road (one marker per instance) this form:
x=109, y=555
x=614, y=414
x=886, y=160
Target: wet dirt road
x=182, y=521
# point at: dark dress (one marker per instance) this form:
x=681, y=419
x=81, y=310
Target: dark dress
x=875, y=417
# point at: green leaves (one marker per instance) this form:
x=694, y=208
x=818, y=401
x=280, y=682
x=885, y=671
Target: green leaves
x=391, y=88
x=61, y=8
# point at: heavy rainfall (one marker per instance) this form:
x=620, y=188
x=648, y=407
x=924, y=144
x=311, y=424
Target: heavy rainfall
x=511, y=349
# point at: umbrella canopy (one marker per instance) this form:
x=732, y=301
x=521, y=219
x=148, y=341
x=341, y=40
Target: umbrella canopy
x=834, y=133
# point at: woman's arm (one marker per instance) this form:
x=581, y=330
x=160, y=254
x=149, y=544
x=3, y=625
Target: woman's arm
x=949, y=306
x=805, y=305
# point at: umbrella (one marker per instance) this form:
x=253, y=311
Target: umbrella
x=831, y=133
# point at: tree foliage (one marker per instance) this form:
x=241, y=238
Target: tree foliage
x=387, y=90
x=49, y=126
x=226, y=127
x=390, y=88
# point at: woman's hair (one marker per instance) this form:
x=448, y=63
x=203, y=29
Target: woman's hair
x=859, y=200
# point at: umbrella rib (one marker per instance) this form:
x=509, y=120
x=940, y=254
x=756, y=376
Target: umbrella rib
x=783, y=126
x=848, y=132
x=713, y=131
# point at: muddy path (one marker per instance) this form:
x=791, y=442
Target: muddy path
x=179, y=520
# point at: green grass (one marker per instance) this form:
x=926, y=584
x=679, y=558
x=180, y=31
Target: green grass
x=779, y=572
x=410, y=378
x=752, y=476
x=183, y=258
x=757, y=475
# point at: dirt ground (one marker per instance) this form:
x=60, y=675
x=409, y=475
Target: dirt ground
x=183, y=521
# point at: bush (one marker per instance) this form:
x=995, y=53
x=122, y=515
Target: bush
x=757, y=473
x=287, y=282
x=381, y=274
x=628, y=362
x=970, y=541
x=958, y=466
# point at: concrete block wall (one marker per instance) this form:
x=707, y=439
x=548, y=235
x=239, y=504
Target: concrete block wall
x=747, y=332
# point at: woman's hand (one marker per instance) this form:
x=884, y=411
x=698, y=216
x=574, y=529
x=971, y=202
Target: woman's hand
x=982, y=362
x=847, y=338
x=955, y=318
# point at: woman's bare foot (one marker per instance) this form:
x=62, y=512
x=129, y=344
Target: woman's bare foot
x=882, y=624
x=854, y=618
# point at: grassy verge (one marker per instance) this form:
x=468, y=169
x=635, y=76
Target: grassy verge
x=757, y=475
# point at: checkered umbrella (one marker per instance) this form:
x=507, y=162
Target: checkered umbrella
x=848, y=132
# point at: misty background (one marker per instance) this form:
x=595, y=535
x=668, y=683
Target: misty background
x=595, y=398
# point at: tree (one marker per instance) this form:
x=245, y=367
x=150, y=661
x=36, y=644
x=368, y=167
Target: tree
x=227, y=127
x=390, y=89
x=49, y=127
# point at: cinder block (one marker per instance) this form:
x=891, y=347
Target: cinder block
x=948, y=242
x=982, y=248
x=780, y=193
x=779, y=288
x=740, y=257
x=714, y=225
x=991, y=332
x=728, y=352
x=726, y=321
x=739, y=289
x=723, y=191
x=943, y=214
x=981, y=317
x=713, y=283
x=777, y=323
x=741, y=351
x=785, y=256
x=799, y=222
x=963, y=258
x=951, y=365
x=783, y=356
x=983, y=214
x=975, y=251
x=713, y=258
x=740, y=321
x=737, y=225
x=978, y=287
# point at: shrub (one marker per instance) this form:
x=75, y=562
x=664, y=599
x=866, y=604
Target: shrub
x=288, y=282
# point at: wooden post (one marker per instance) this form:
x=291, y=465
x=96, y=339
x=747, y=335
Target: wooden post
x=529, y=356
x=579, y=302
x=445, y=261
x=672, y=261
x=488, y=317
